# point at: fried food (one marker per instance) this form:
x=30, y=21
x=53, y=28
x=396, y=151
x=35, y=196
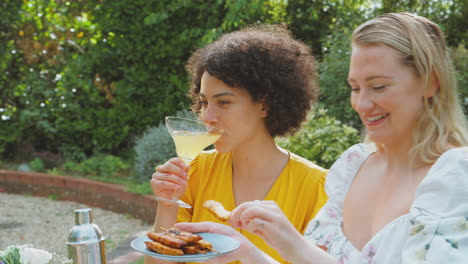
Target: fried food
x=217, y=210
x=203, y=244
x=163, y=249
x=176, y=242
x=168, y=240
x=190, y=238
x=193, y=249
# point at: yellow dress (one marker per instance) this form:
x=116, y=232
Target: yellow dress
x=298, y=191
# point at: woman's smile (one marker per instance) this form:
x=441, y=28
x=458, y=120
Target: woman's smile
x=375, y=119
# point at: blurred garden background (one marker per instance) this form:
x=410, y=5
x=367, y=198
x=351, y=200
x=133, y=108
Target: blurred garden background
x=85, y=84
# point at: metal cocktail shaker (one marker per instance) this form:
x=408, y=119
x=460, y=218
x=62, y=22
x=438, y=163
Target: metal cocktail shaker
x=86, y=244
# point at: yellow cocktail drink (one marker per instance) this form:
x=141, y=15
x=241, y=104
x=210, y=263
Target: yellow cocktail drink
x=189, y=144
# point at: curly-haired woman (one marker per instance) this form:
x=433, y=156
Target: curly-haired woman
x=256, y=83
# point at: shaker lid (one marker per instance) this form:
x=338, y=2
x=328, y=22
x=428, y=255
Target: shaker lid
x=84, y=231
x=83, y=216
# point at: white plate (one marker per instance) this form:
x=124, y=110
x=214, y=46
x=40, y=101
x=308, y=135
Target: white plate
x=222, y=244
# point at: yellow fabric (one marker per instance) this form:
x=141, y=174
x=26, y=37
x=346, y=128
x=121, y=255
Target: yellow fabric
x=299, y=192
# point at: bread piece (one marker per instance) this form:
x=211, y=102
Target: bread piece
x=217, y=210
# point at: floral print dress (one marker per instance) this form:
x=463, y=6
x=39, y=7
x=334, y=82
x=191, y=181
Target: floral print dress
x=434, y=231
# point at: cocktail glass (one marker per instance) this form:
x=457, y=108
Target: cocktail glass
x=190, y=138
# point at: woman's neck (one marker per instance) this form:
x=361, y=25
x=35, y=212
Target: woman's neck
x=397, y=157
x=255, y=169
x=260, y=158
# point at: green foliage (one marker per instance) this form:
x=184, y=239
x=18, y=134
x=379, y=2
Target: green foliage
x=153, y=148
x=53, y=197
x=451, y=15
x=86, y=77
x=10, y=255
x=37, y=164
x=139, y=261
x=99, y=165
x=321, y=140
x=141, y=188
x=333, y=73
x=315, y=21
x=460, y=57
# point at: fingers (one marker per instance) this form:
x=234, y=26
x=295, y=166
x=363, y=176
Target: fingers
x=194, y=227
x=256, y=217
x=170, y=179
x=243, y=253
x=207, y=227
x=242, y=215
x=173, y=167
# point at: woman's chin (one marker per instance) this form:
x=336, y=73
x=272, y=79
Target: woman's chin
x=220, y=148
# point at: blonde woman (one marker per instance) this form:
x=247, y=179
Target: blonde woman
x=402, y=198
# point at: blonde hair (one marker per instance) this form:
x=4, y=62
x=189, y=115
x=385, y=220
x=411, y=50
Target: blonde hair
x=421, y=43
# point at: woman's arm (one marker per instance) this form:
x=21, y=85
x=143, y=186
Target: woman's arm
x=267, y=220
x=169, y=181
x=246, y=253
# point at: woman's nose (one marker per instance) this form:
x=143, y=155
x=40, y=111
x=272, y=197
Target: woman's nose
x=209, y=115
x=364, y=102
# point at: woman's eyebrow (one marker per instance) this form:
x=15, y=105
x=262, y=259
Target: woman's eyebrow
x=370, y=78
x=219, y=95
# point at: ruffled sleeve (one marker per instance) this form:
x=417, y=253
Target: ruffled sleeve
x=326, y=224
x=439, y=214
x=344, y=170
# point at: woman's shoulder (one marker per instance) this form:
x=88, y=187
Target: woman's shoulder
x=351, y=159
x=444, y=189
x=343, y=171
x=452, y=165
x=303, y=164
x=456, y=157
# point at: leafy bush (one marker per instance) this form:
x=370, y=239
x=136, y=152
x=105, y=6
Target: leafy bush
x=333, y=73
x=99, y=165
x=460, y=57
x=154, y=148
x=37, y=165
x=83, y=77
x=322, y=139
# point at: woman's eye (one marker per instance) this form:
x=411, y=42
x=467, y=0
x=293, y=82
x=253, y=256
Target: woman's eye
x=354, y=90
x=223, y=102
x=203, y=103
x=380, y=87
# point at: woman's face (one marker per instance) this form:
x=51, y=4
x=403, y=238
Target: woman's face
x=233, y=110
x=387, y=95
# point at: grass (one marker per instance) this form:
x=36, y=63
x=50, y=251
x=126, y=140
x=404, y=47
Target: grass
x=139, y=261
x=121, y=177
x=132, y=186
x=52, y=197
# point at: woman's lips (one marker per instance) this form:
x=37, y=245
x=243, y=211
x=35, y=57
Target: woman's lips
x=375, y=119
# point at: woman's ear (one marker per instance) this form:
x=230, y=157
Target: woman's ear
x=264, y=108
x=433, y=86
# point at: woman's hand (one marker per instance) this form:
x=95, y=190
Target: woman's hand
x=267, y=220
x=246, y=253
x=170, y=179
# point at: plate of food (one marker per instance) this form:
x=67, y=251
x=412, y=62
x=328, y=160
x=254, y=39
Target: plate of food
x=179, y=246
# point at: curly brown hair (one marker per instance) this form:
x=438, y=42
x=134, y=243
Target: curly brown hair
x=269, y=64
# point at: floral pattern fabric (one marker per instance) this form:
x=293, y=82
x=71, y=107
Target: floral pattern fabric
x=434, y=231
